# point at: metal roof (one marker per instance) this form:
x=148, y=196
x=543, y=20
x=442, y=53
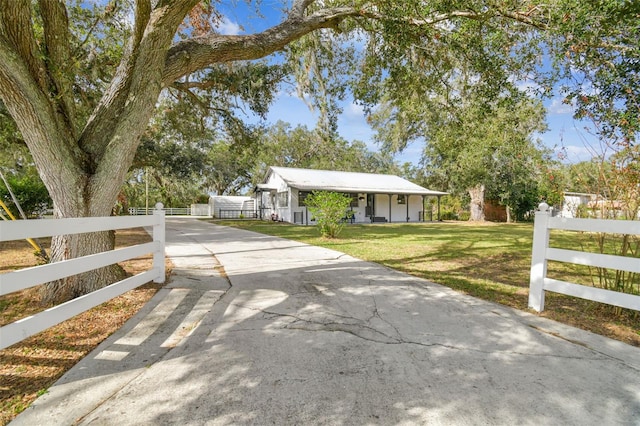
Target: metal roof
x=266, y=187
x=350, y=182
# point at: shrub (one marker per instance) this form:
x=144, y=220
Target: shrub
x=464, y=215
x=30, y=192
x=329, y=210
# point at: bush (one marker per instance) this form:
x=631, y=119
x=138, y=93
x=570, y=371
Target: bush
x=329, y=210
x=30, y=192
x=448, y=215
x=465, y=216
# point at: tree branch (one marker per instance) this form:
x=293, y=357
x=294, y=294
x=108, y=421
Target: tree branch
x=191, y=55
x=187, y=85
x=185, y=89
x=132, y=94
x=34, y=116
x=524, y=18
x=59, y=61
x=132, y=82
x=299, y=7
x=16, y=26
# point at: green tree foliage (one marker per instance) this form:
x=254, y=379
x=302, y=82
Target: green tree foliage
x=584, y=176
x=329, y=210
x=229, y=167
x=596, y=51
x=483, y=147
x=552, y=184
x=18, y=169
x=13, y=151
x=29, y=191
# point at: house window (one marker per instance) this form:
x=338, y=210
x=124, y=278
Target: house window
x=283, y=199
x=402, y=199
x=302, y=196
x=354, y=199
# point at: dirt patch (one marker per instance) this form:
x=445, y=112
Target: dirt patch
x=30, y=367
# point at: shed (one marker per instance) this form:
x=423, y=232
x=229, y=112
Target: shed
x=231, y=206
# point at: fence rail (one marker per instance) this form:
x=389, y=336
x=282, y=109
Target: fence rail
x=541, y=253
x=25, y=278
x=237, y=214
x=169, y=211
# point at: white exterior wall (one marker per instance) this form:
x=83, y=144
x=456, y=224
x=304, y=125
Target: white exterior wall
x=201, y=210
x=398, y=211
x=299, y=214
x=303, y=216
x=359, y=211
x=570, y=204
x=227, y=202
x=272, y=202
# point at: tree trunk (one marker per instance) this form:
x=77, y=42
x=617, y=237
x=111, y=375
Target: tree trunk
x=63, y=247
x=508, y=209
x=72, y=246
x=476, y=207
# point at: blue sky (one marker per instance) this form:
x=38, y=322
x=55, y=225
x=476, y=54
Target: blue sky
x=567, y=137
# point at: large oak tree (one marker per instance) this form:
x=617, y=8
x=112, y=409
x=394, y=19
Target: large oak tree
x=83, y=121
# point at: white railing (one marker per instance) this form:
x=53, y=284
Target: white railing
x=25, y=278
x=169, y=211
x=541, y=253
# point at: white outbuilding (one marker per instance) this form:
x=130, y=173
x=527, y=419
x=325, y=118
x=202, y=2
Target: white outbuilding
x=374, y=197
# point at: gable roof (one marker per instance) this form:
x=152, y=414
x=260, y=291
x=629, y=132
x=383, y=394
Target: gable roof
x=351, y=182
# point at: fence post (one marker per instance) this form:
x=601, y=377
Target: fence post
x=159, y=236
x=539, y=257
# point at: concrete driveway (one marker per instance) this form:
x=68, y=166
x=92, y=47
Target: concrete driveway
x=259, y=330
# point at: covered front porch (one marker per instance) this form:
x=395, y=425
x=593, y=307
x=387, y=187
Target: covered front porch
x=376, y=208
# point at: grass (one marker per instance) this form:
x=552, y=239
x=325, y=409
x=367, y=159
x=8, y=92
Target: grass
x=489, y=261
x=30, y=367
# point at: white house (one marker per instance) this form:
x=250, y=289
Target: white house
x=375, y=197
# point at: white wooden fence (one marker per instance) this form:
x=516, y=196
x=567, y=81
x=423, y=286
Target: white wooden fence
x=541, y=253
x=25, y=278
x=169, y=211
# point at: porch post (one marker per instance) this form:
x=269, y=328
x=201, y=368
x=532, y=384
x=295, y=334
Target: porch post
x=406, y=200
x=423, y=207
x=439, y=207
x=390, y=195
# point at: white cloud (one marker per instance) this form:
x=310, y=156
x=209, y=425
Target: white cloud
x=574, y=154
x=228, y=27
x=558, y=106
x=354, y=111
x=528, y=87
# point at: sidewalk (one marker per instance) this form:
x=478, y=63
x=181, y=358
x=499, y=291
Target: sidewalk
x=253, y=329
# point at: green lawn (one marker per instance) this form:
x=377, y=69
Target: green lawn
x=490, y=261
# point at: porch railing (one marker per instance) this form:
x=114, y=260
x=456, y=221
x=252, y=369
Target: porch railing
x=237, y=214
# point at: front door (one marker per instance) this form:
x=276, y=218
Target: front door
x=371, y=205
